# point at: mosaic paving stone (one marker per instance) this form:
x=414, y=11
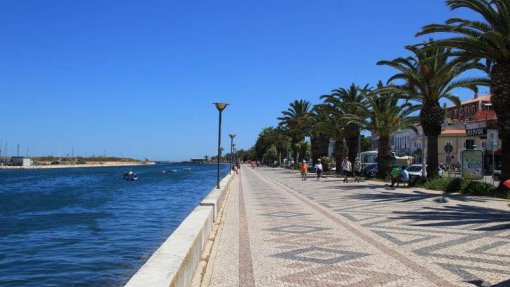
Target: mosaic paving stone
x=281, y=231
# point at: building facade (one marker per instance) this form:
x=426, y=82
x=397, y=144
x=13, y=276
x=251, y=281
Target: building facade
x=472, y=125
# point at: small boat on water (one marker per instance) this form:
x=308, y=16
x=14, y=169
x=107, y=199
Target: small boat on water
x=130, y=176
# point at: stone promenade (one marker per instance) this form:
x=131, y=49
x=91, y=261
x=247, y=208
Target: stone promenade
x=277, y=230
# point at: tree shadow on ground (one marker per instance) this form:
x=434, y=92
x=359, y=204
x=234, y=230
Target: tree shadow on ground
x=458, y=215
x=409, y=195
x=384, y=196
x=358, y=186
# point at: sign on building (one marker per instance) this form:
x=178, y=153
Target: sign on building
x=472, y=164
x=476, y=132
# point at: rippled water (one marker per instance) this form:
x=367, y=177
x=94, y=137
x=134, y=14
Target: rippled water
x=88, y=226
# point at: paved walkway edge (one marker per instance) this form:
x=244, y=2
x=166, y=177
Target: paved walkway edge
x=176, y=260
x=204, y=270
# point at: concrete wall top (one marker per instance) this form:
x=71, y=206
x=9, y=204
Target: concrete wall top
x=179, y=254
x=216, y=196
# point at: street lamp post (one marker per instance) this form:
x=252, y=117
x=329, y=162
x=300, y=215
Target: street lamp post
x=487, y=109
x=234, y=152
x=232, y=136
x=220, y=107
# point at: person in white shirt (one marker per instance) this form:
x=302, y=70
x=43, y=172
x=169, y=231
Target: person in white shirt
x=404, y=177
x=318, y=169
x=347, y=168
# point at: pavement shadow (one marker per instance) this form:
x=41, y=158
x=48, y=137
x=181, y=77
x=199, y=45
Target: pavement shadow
x=385, y=196
x=358, y=186
x=458, y=215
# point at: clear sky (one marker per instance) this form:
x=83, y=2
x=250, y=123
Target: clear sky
x=138, y=78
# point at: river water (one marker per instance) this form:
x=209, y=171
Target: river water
x=88, y=226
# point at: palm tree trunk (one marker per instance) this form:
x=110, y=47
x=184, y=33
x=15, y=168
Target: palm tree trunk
x=384, y=157
x=500, y=91
x=294, y=152
x=319, y=146
x=339, y=154
x=431, y=117
x=432, y=157
x=314, y=146
x=352, y=142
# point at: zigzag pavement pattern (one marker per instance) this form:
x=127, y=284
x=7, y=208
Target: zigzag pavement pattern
x=281, y=231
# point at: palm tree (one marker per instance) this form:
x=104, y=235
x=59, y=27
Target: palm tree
x=383, y=115
x=319, y=141
x=428, y=77
x=487, y=39
x=280, y=140
x=327, y=121
x=294, y=121
x=349, y=100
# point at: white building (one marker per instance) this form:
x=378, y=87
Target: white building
x=406, y=142
x=21, y=161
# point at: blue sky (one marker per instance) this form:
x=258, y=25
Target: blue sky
x=138, y=78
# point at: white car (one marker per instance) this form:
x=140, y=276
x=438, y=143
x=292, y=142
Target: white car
x=415, y=171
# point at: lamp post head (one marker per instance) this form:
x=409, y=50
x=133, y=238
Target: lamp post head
x=220, y=106
x=232, y=136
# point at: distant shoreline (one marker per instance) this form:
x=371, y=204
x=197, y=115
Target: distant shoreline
x=103, y=164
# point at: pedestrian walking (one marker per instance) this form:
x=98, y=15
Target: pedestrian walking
x=347, y=168
x=318, y=169
x=304, y=170
x=357, y=169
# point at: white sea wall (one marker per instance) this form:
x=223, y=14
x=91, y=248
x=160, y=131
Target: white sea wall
x=175, y=261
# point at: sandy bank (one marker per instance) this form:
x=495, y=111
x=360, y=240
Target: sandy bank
x=102, y=164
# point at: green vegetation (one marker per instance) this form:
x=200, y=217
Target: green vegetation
x=325, y=163
x=459, y=185
x=440, y=184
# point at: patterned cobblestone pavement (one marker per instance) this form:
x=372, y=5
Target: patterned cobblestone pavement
x=280, y=231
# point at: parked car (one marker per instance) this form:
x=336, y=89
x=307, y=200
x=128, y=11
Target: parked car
x=311, y=166
x=415, y=171
x=369, y=170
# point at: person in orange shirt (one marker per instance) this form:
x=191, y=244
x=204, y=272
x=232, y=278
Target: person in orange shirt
x=304, y=169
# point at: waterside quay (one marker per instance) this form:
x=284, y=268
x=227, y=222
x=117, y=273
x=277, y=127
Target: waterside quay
x=277, y=230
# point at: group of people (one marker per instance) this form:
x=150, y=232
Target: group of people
x=399, y=175
x=347, y=169
x=303, y=168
